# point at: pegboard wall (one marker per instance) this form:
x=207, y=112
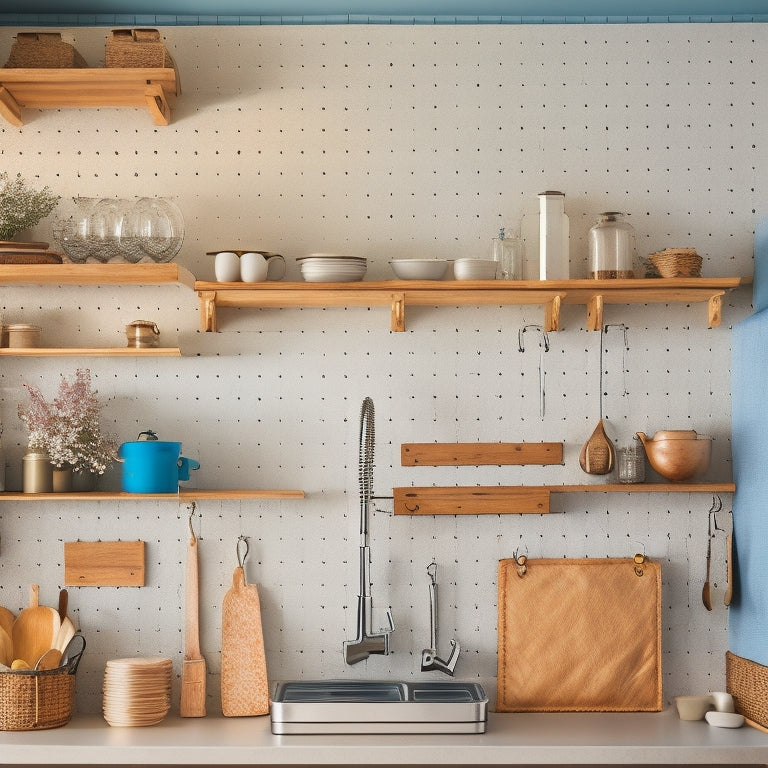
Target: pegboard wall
x=396, y=142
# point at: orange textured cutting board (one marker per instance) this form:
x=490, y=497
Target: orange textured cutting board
x=244, y=686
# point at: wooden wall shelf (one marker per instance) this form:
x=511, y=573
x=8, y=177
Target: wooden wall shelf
x=90, y=352
x=500, y=500
x=151, y=89
x=398, y=294
x=95, y=274
x=183, y=496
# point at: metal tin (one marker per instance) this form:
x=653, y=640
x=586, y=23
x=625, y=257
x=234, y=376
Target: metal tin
x=37, y=472
x=142, y=334
x=23, y=336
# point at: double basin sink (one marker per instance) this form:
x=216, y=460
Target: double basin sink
x=377, y=706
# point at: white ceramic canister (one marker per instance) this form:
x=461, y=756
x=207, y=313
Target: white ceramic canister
x=554, y=233
x=226, y=267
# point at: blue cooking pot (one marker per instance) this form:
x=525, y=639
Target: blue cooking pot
x=154, y=466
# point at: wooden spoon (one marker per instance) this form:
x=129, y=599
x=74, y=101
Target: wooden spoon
x=51, y=659
x=6, y=648
x=35, y=629
x=6, y=620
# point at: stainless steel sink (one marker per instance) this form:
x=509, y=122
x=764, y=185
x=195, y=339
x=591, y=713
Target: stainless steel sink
x=378, y=706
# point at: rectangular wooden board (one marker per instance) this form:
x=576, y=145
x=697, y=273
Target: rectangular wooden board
x=477, y=454
x=471, y=500
x=104, y=563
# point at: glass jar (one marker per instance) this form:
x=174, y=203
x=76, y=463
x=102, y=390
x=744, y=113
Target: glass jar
x=508, y=251
x=630, y=463
x=611, y=247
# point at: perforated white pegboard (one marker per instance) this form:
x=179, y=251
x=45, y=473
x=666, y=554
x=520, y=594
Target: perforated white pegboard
x=394, y=142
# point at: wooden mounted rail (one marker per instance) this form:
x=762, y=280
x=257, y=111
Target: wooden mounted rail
x=399, y=294
x=479, y=454
x=510, y=500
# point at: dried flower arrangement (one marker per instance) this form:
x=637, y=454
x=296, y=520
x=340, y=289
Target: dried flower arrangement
x=67, y=429
x=22, y=207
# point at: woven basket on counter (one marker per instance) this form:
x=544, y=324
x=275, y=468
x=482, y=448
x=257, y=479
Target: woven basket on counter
x=747, y=682
x=31, y=701
x=677, y=262
x=136, y=48
x=43, y=50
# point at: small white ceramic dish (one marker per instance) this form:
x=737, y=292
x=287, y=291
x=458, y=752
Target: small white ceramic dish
x=723, y=701
x=419, y=269
x=724, y=719
x=693, y=707
x=474, y=269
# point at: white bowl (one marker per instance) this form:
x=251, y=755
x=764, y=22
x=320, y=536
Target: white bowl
x=725, y=719
x=693, y=707
x=419, y=269
x=474, y=269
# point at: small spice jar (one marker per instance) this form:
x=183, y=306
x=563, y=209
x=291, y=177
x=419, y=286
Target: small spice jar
x=23, y=336
x=142, y=333
x=611, y=247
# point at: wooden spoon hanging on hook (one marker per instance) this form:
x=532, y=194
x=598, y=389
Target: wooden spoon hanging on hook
x=597, y=457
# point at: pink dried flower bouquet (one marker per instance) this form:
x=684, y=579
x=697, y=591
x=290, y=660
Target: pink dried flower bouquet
x=68, y=429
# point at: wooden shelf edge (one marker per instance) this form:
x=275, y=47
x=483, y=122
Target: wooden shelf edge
x=186, y=494
x=90, y=352
x=96, y=274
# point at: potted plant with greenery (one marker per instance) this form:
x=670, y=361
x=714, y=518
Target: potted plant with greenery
x=22, y=207
x=67, y=430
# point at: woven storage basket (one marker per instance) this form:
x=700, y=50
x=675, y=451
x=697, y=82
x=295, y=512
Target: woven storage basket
x=747, y=682
x=677, y=262
x=136, y=48
x=31, y=701
x=43, y=50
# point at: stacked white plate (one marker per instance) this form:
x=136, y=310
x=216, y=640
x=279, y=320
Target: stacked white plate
x=332, y=268
x=137, y=691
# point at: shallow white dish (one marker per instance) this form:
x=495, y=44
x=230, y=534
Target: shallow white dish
x=474, y=269
x=419, y=269
x=724, y=719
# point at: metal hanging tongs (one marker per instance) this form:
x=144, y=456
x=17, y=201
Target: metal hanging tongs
x=429, y=657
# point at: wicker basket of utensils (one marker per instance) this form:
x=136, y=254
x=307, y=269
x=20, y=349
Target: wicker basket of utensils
x=43, y=50
x=677, y=262
x=34, y=700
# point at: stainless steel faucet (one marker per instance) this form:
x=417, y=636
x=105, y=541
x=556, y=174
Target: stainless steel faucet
x=367, y=641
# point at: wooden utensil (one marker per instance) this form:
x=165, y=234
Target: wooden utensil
x=49, y=660
x=244, y=685
x=6, y=620
x=193, y=668
x=35, y=629
x=6, y=648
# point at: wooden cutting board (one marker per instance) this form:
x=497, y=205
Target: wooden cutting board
x=244, y=685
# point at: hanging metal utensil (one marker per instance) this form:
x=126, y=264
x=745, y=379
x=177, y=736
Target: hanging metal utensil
x=543, y=347
x=598, y=456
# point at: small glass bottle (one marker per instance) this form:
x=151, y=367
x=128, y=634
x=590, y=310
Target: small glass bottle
x=611, y=247
x=508, y=251
x=630, y=463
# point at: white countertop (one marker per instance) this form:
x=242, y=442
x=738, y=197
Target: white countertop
x=570, y=738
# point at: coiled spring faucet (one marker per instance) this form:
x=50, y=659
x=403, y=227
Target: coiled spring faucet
x=367, y=641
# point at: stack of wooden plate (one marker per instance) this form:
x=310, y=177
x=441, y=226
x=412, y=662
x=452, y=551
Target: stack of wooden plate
x=137, y=691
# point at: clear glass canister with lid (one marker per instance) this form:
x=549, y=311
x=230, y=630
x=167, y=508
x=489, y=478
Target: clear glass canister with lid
x=611, y=247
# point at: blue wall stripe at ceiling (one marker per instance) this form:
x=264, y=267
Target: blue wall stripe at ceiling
x=170, y=20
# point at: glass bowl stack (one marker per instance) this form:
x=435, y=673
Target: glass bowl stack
x=114, y=229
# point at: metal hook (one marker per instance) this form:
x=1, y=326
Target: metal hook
x=244, y=540
x=192, y=508
x=544, y=342
x=432, y=572
x=717, y=505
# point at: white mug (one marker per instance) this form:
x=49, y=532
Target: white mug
x=254, y=267
x=226, y=266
